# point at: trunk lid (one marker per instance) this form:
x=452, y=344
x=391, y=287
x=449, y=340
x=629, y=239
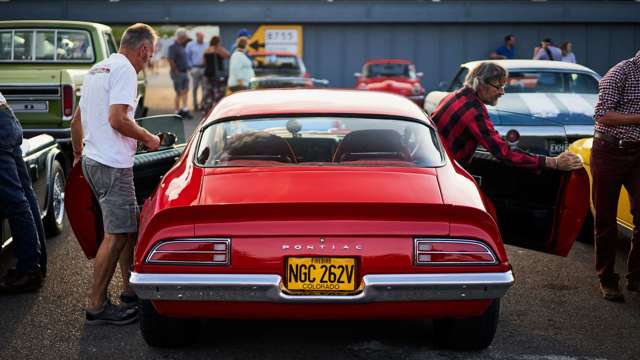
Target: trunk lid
x=296, y=186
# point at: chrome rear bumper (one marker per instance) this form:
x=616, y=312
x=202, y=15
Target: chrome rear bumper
x=269, y=288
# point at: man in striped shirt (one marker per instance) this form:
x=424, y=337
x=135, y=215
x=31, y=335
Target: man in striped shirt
x=463, y=121
x=615, y=162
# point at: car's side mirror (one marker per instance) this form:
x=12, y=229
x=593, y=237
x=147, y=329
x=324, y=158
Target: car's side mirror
x=357, y=74
x=419, y=74
x=167, y=139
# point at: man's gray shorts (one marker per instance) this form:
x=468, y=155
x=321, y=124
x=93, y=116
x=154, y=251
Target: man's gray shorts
x=113, y=187
x=180, y=81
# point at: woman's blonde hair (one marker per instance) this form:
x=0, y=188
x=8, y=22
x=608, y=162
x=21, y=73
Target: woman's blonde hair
x=242, y=42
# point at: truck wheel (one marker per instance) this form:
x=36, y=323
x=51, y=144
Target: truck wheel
x=474, y=333
x=54, y=220
x=162, y=331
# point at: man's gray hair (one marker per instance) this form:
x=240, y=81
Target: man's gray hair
x=181, y=32
x=136, y=35
x=486, y=72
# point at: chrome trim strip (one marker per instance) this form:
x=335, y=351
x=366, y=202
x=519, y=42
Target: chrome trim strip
x=548, y=131
x=269, y=287
x=539, y=131
x=31, y=85
x=579, y=130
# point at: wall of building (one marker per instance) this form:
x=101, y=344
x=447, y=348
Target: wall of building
x=336, y=51
x=340, y=35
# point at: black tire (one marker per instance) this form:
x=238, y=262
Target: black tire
x=163, y=331
x=474, y=333
x=54, y=220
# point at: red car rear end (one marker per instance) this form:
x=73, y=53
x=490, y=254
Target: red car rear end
x=316, y=204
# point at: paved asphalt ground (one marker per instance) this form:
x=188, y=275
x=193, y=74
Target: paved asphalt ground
x=554, y=312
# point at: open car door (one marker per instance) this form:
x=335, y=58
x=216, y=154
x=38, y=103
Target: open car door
x=149, y=167
x=541, y=211
x=571, y=212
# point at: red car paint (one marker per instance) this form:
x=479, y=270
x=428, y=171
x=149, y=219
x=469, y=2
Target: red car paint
x=407, y=84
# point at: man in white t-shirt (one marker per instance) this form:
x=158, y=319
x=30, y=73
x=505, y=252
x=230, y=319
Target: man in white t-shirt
x=104, y=136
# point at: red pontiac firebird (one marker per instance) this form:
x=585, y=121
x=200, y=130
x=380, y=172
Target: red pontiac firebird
x=319, y=204
x=396, y=76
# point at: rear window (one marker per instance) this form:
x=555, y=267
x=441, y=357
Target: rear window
x=46, y=45
x=551, y=82
x=277, y=64
x=390, y=69
x=320, y=141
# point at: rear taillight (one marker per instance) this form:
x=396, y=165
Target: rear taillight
x=192, y=252
x=67, y=101
x=452, y=252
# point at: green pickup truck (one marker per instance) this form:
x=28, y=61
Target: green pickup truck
x=42, y=67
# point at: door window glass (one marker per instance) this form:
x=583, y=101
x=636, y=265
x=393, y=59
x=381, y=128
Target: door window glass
x=74, y=45
x=23, y=45
x=458, y=81
x=6, y=39
x=45, y=48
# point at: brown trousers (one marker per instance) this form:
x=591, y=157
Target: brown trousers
x=611, y=168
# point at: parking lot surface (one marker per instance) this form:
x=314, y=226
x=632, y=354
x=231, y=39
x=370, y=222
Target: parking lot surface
x=554, y=312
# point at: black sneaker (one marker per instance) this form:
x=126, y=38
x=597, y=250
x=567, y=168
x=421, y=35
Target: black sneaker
x=111, y=314
x=16, y=282
x=128, y=301
x=186, y=114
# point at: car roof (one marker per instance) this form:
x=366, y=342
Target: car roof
x=52, y=24
x=387, y=61
x=315, y=101
x=532, y=64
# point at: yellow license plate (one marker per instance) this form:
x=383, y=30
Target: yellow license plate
x=321, y=274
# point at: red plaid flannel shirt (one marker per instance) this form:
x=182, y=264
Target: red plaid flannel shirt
x=464, y=123
x=619, y=91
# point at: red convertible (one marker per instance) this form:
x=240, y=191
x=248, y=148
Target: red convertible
x=392, y=75
x=319, y=204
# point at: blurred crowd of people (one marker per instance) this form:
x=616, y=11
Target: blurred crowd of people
x=203, y=65
x=546, y=50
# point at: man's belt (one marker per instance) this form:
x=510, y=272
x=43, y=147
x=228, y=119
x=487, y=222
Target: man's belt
x=621, y=143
